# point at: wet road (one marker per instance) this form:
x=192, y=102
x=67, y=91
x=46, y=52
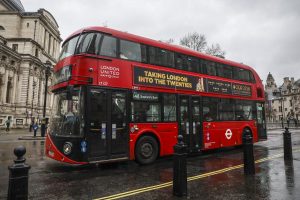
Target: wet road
x=213, y=175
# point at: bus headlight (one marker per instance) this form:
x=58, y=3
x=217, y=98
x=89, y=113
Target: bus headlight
x=67, y=148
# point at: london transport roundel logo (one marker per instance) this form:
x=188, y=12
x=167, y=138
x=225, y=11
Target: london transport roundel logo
x=228, y=134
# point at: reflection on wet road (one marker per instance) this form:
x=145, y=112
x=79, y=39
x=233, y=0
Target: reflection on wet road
x=212, y=175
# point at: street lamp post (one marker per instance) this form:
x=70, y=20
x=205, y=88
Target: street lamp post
x=44, y=122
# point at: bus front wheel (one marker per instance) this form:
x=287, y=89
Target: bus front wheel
x=146, y=150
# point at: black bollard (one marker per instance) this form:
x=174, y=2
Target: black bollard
x=287, y=144
x=249, y=166
x=179, y=168
x=18, y=176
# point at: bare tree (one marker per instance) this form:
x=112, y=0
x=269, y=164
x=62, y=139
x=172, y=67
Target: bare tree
x=169, y=41
x=215, y=50
x=198, y=42
x=194, y=41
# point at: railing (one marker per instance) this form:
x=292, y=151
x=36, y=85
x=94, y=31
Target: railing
x=275, y=125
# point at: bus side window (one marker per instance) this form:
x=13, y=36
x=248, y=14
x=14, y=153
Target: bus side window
x=226, y=110
x=108, y=46
x=241, y=74
x=211, y=68
x=203, y=66
x=243, y=110
x=169, y=107
x=145, y=111
x=181, y=62
x=193, y=65
x=252, y=79
x=210, y=109
x=161, y=57
x=130, y=50
x=224, y=71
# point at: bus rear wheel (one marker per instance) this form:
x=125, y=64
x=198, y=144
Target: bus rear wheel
x=146, y=150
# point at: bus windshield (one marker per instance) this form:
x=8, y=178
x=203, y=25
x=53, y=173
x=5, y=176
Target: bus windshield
x=68, y=48
x=67, y=115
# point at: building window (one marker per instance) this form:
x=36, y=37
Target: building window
x=12, y=62
x=36, y=52
x=3, y=58
x=15, y=47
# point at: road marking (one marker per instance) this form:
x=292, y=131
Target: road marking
x=191, y=178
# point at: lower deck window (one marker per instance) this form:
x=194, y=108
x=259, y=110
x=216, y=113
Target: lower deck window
x=145, y=112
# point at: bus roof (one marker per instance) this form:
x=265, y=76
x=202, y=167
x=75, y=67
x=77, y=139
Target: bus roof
x=163, y=45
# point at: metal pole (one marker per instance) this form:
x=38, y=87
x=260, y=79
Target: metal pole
x=179, y=168
x=18, y=176
x=249, y=165
x=287, y=145
x=47, y=72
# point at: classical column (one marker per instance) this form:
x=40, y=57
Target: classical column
x=42, y=91
x=5, y=86
x=14, y=92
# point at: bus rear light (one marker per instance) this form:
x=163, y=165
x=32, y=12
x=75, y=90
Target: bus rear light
x=255, y=123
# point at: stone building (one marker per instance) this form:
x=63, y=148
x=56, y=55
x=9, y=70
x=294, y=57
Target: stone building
x=27, y=41
x=283, y=102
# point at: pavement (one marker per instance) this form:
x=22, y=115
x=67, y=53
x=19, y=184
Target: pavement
x=20, y=134
x=213, y=175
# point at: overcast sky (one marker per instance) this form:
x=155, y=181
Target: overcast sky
x=262, y=34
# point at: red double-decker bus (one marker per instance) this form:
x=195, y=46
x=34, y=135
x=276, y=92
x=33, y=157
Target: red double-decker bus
x=120, y=96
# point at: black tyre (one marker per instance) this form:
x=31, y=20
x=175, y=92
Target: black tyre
x=146, y=150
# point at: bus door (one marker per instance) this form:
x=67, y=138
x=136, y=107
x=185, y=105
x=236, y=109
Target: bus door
x=107, y=135
x=261, y=124
x=190, y=122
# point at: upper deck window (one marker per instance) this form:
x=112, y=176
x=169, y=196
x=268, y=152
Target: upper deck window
x=89, y=43
x=224, y=71
x=68, y=48
x=193, y=65
x=161, y=57
x=241, y=74
x=132, y=51
x=211, y=68
x=108, y=46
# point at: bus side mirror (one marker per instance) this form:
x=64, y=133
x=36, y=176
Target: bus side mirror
x=70, y=90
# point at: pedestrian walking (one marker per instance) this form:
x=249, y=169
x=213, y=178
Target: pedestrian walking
x=35, y=128
x=7, y=123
